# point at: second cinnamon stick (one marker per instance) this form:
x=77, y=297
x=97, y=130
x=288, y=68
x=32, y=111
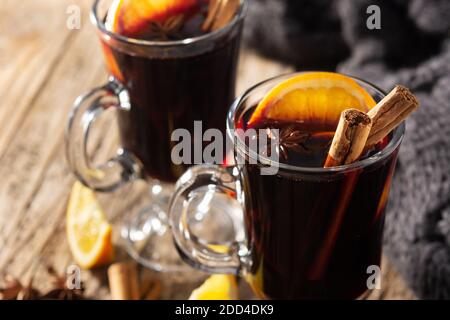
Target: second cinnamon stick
x=390, y=112
x=350, y=138
x=123, y=281
x=220, y=13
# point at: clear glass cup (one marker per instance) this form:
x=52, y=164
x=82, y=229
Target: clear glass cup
x=309, y=233
x=157, y=87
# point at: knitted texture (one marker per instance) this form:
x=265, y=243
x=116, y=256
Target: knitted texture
x=412, y=48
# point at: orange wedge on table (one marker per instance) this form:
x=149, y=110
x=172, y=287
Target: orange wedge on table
x=217, y=287
x=317, y=97
x=130, y=17
x=88, y=232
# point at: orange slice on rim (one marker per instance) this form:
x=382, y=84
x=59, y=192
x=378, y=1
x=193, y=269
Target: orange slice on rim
x=111, y=63
x=130, y=17
x=317, y=97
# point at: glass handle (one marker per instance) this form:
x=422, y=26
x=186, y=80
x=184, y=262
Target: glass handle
x=195, y=251
x=87, y=108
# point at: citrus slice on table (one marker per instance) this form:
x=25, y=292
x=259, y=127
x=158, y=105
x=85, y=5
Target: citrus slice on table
x=217, y=287
x=317, y=97
x=131, y=17
x=88, y=232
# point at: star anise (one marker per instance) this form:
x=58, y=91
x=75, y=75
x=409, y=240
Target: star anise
x=14, y=290
x=60, y=290
x=289, y=138
x=168, y=29
x=293, y=139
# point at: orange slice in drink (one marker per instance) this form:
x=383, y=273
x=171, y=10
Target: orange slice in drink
x=111, y=63
x=317, y=97
x=131, y=17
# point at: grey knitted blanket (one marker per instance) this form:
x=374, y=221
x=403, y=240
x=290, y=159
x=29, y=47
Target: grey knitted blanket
x=411, y=48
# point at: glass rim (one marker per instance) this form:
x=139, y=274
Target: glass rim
x=97, y=21
x=393, y=145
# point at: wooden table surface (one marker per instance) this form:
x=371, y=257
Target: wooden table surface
x=43, y=67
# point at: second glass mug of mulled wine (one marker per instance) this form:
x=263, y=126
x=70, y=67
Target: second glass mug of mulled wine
x=160, y=80
x=310, y=232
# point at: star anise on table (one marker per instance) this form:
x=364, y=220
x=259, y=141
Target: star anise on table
x=60, y=291
x=14, y=290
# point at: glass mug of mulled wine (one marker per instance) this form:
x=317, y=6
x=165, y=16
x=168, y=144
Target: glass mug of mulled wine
x=310, y=232
x=169, y=65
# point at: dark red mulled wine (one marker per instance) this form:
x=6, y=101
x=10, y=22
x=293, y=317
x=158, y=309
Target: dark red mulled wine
x=312, y=234
x=173, y=87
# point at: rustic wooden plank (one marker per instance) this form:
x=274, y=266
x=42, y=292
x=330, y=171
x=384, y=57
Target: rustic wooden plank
x=33, y=146
x=33, y=38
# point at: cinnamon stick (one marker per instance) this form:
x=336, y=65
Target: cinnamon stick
x=154, y=292
x=355, y=135
x=123, y=281
x=150, y=286
x=220, y=13
x=348, y=144
x=350, y=138
x=213, y=9
x=390, y=112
